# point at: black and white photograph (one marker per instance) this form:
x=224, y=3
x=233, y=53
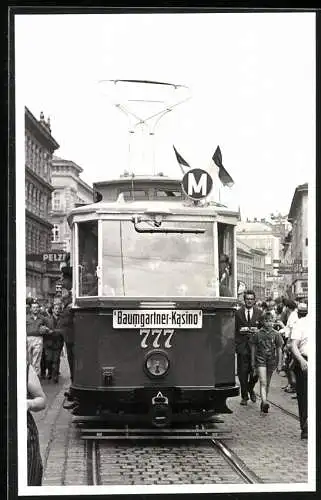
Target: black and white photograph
x=182, y=361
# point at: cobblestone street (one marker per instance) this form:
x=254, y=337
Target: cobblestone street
x=268, y=444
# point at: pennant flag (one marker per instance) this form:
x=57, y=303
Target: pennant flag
x=182, y=163
x=97, y=196
x=223, y=174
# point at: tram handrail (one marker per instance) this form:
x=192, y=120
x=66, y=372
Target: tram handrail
x=157, y=229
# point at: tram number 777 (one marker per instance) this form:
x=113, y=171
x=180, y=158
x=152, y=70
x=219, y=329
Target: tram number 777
x=156, y=337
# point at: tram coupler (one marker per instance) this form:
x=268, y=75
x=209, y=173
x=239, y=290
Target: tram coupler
x=160, y=411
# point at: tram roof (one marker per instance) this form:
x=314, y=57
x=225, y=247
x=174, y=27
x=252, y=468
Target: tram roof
x=128, y=179
x=180, y=207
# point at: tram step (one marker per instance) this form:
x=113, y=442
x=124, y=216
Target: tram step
x=165, y=433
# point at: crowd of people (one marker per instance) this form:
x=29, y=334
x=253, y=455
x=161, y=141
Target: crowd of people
x=271, y=336
x=49, y=330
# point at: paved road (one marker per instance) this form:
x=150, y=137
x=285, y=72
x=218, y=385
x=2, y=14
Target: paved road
x=269, y=444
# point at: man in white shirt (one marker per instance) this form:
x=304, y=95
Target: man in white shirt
x=292, y=318
x=299, y=349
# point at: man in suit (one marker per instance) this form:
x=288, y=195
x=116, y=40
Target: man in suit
x=246, y=318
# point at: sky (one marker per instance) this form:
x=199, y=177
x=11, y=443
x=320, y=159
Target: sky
x=251, y=77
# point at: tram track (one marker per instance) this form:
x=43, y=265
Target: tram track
x=284, y=410
x=95, y=472
x=245, y=473
x=93, y=462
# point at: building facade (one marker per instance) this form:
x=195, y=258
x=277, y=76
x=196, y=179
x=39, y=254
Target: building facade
x=259, y=235
x=69, y=191
x=244, y=266
x=259, y=275
x=39, y=148
x=251, y=269
x=298, y=249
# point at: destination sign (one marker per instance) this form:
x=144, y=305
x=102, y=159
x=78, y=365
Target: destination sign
x=157, y=318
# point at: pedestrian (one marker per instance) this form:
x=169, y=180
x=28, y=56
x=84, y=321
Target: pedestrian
x=266, y=355
x=247, y=318
x=299, y=349
x=286, y=330
x=36, y=401
x=43, y=363
x=36, y=328
x=53, y=344
x=263, y=306
x=259, y=305
x=66, y=322
x=65, y=327
x=29, y=301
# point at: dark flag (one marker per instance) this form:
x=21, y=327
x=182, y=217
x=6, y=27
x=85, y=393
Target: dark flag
x=97, y=196
x=223, y=174
x=182, y=163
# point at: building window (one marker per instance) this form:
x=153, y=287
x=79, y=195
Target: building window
x=31, y=163
x=33, y=240
x=38, y=241
x=44, y=202
x=37, y=201
x=56, y=200
x=34, y=206
x=55, y=233
x=45, y=164
x=42, y=205
x=42, y=245
x=36, y=158
x=30, y=197
x=306, y=242
x=26, y=149
x=47, y=205
x=27, y=237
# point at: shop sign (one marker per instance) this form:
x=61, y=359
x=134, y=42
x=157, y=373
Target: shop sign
x=47, y=257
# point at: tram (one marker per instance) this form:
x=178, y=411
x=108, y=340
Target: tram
x=153, y=322
x=154, y=287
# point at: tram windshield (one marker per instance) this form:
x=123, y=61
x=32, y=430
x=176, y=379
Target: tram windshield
x=157, y=264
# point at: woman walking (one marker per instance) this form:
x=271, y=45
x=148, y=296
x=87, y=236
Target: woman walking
x=36, y=401
x=266, y=356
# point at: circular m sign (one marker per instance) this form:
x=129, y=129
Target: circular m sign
x=197, y=183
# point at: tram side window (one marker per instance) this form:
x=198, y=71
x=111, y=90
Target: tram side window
x=88, y=258
x=226, y=267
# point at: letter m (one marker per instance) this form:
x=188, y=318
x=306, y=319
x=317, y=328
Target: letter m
x=194, y=187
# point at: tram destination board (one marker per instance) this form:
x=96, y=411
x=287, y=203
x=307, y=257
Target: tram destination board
x=139, y=318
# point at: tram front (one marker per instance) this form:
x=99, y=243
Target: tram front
x=154, y=295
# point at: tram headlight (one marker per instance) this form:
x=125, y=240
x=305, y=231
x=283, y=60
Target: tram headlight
x=156, y=364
